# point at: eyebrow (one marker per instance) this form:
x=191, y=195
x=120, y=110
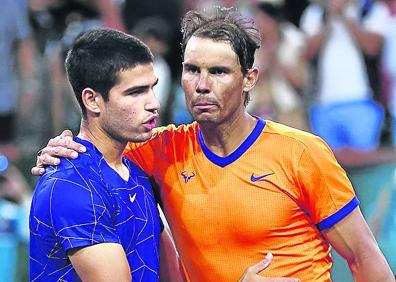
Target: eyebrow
x=215, y=67
x=188, y=65
x=140, y=87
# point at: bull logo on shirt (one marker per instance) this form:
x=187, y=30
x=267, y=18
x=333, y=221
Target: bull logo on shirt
x=187, y=177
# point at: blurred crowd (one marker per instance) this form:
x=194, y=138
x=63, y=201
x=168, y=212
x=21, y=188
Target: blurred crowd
x=326, y=66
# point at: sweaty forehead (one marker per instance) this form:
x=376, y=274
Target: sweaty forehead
x=205, y=51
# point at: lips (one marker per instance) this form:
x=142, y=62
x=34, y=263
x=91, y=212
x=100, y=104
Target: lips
x=204, y=105
x=150, y=123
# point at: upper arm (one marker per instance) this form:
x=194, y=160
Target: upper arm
x=343, y=236
x=353, y=240
x=101, y=262
x=81, y=211
x=171, y=268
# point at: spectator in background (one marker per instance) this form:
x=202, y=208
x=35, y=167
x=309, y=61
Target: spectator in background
x=16, y=69
x=155, y=32
x=278, y=92
x=381, y=24
x=15, y=196
x=344, y=113
x=169, y=11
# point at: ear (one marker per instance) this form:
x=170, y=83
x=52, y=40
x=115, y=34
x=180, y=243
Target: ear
x=91, y=100
x=250, y=79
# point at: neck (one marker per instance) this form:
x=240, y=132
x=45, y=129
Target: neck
x=224, y=138
x=111, y=149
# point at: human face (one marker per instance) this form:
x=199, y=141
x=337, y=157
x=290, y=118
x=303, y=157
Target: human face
x=212, y=80
x=131, y=112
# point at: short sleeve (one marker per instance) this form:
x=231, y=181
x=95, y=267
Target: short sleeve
x=82, y=211
x=328, y=194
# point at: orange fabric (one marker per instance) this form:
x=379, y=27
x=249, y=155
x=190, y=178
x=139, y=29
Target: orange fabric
x=223, y=222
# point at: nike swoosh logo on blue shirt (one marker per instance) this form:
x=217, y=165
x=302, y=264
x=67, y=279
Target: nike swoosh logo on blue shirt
x=132, y=198
x=258, y=178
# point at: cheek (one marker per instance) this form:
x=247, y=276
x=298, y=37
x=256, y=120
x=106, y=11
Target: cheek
x=189, y=80
x=126, y=115
x=188, y=87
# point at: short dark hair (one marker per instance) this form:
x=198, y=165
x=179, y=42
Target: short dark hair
x=96, y=58
x=226, y=24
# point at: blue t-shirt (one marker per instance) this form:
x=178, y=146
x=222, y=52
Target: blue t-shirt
x=83, y=202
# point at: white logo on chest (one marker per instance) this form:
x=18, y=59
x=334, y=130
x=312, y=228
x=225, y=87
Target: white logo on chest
x=132, y=198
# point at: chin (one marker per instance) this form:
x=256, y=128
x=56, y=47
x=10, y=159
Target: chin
x=141, y=137
x=205, y=118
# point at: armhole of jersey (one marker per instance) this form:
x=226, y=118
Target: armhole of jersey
x=338, y=215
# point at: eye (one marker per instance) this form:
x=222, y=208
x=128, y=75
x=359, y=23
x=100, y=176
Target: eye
x=137, y=91
x=218, y=71
x=191, y=69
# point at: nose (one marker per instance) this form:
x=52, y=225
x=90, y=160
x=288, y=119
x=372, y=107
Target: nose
x=203, y=83
x=153, y=104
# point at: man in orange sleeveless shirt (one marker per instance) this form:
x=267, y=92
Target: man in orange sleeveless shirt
x=235, y=187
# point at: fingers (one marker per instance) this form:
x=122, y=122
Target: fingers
x=50, y=156
x=252, y=272
x=260, y=266
x=37, y=171
x=59, y=146
x=67, y=133
x=65, y=140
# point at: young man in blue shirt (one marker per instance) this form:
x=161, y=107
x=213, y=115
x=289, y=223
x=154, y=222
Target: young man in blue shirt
x=95, y=218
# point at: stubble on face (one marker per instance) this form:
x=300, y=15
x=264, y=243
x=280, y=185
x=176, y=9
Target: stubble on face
x=212, y=80
x=131, y=112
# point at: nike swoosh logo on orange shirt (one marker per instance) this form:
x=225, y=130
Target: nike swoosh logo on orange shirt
x=258, y=178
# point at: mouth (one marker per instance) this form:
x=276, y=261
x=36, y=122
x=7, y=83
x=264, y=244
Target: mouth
x=150, y=123
x=204, y=106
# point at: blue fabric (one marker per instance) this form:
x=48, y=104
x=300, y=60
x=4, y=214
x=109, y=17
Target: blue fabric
x=84, y=202
x=339, y=215
x=224, y=161
x=353, y=125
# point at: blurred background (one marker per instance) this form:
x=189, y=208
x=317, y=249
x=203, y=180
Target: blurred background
x=326, y=66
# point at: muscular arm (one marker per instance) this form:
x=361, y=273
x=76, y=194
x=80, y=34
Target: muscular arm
x=101, y=262
x=353, y=240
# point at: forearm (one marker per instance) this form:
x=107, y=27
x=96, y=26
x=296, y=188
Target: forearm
x=369, y=42
x=371, y=266
x=314, y=44
x=353, y=240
